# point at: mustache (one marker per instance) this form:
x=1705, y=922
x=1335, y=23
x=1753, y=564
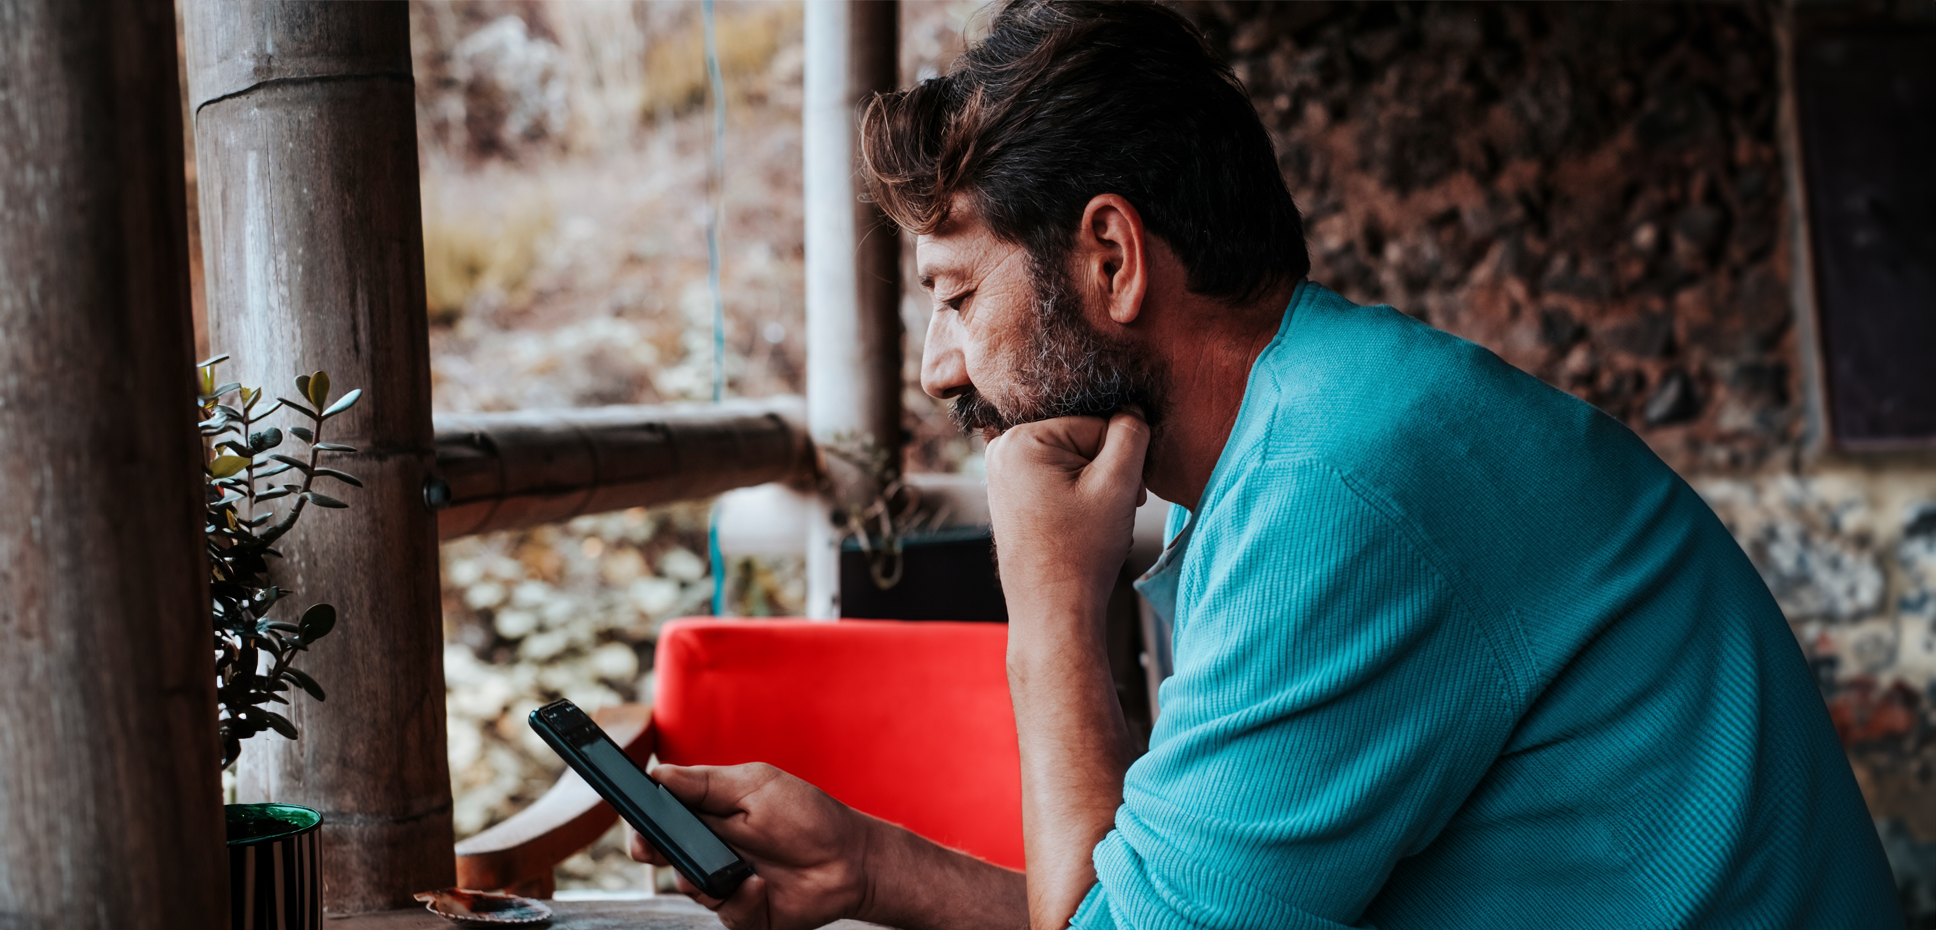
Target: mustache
x=974, y=413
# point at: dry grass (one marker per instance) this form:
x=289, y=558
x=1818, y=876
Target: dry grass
x=469, y=254
x=675, y=63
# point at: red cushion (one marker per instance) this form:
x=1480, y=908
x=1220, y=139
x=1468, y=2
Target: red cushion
x=909, y=722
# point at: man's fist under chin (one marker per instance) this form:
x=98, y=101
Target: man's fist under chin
x=1062, y=494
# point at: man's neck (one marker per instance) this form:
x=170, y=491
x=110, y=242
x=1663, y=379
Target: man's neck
x=1210, y=348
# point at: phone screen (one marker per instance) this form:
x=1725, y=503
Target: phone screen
x=659, y=804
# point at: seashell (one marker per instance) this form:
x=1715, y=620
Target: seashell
x=484, y=909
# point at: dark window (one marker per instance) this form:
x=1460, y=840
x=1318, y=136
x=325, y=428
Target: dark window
x=1867, y=119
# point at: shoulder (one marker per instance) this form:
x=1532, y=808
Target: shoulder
x=1415, y=418
x=1347, y=381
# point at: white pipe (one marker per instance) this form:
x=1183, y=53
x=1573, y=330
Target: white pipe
x=853, y=273
x=833, y=326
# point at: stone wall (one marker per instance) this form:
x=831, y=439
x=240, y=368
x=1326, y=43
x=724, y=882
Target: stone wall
x=1600, y=194
x=1594, y=191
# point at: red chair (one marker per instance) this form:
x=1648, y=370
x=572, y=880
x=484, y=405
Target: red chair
x=909, y=722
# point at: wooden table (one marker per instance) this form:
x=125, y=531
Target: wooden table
x=666, y=912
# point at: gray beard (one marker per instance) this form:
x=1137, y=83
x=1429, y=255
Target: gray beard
x=1067, y=370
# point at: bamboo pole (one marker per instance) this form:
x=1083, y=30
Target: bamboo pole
x=110, y=801
x=312, y=235
x=853, y=267
x=510, y=470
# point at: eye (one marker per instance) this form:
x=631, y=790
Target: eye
x=954, y=303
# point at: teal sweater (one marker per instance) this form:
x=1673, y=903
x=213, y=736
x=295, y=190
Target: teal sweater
x=1454, y=649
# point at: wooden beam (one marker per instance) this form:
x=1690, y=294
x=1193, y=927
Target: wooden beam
x=110, y=798
x=312, y=235
x=525, y=468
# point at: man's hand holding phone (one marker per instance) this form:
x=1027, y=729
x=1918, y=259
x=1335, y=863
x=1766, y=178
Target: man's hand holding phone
x=817, y=860
x=809, y=851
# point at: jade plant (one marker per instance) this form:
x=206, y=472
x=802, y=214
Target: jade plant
x=256, y=646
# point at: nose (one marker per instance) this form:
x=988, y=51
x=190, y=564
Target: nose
x=944, y=369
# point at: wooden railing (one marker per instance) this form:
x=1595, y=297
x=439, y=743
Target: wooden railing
x=515, y=469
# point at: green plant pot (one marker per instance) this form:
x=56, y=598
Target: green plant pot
x=274, y=881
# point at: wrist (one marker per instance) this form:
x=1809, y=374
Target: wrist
x=913, y=883
x=878, y=892
x=1053, y=584
x=893, y=877
x=1055, y=597
x=1058, y=633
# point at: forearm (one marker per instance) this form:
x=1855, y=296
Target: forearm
x=1062, y=498
x=1075, y=747
x=919, y=885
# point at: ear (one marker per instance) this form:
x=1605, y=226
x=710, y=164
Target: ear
x=1112, y=256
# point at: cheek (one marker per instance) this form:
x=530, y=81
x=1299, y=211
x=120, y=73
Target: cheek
x=995, y=347
x=993, y=361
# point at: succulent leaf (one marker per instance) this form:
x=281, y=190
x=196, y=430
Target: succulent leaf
x=226, y=465
x=347, y=401
x=302, y=679
x=275, y=721
x=317, y=621
x=342, y=476
x=299, y=408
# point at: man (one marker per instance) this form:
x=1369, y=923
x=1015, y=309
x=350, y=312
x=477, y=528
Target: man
x=1452, y=648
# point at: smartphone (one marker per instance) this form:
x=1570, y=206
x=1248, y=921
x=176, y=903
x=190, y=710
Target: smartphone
x=645, y=804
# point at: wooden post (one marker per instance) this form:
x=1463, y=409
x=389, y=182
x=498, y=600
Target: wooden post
x=110, y=799
x=312, y=235
x=853, y=264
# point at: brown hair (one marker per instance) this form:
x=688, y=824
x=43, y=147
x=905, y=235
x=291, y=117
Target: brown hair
x=1067, y=100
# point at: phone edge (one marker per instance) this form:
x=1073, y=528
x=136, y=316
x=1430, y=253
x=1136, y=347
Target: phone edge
x=681, y=860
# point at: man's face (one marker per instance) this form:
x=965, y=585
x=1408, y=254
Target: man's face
x=1011, y=341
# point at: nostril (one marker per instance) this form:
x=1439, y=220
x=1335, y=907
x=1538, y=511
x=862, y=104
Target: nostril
x=943, y=380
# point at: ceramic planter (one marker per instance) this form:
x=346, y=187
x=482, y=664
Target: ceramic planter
x=274, y=879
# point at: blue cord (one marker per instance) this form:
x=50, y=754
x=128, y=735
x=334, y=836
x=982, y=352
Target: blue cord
x=718, y=562
x=714, y=209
